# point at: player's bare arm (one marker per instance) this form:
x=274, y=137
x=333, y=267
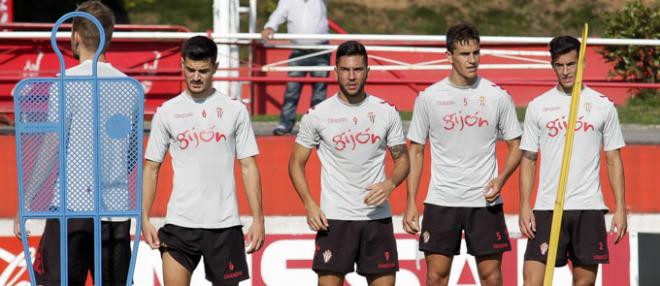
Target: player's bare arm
x=149, y=181
x=494, y=187
x=315, y=217
x=617, y=181
x=380, y=192
x=47, y=157
x=252, y=184
x=527, y=173
x=411, y=216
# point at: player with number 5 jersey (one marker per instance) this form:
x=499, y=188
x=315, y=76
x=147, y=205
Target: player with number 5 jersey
x=462, y=116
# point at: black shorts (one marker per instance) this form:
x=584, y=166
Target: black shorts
x=369, y=243
x=223, y=250
x=582, y=238
x=484, y=227
x=115, y=245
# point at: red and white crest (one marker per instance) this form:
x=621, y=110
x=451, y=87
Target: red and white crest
x=387, y=255
x=327, y=255
x=231, y=266
x=426, y=236
x=218, y=112
x=372, y=117
x=544, y=248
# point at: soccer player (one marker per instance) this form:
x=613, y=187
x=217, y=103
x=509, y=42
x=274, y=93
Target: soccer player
x=462, y=115
x=351, y=131
x=204, y=131
x=583, y=238
x=115, y=236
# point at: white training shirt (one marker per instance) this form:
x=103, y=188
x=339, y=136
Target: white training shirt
x=352, y=140
x=463, y=124
x=80, y=126
x=204, y=138
x=302, y=17
x=597, y=127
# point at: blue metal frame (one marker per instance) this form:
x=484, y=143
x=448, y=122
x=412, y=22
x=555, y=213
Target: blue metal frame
x=60, y=128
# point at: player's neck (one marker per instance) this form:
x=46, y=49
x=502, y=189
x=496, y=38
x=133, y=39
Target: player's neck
x=352, y=99
x=566, y=90
x=458, y=80
x=202, y=95
x=85, y=55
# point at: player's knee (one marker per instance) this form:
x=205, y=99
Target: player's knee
x=527, y=281
x=437, y=278
x=532, y=280
x=583, y=281
x=492, y=278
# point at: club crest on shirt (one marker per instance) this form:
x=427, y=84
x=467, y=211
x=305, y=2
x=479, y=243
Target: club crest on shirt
x=231, y=266
x=218, y=112
x=544, y=248
x=372, y=117
x=587, y=107
x=426, y=236
x=327, y=255
x=355, y=120
x=387, y=255
x=482, y=100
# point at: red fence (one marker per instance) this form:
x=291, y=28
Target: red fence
x=279, y=197
x=156, y=63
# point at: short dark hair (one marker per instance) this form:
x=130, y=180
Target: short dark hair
x=563, y=45
x=199, y=48
x=351, y=48
x=461, y=33
x=88, y=31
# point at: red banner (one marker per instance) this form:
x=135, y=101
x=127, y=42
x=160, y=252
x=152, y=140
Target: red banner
x=286, y=260
x=279, y=197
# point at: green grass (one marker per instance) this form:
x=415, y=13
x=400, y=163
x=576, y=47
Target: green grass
x=267, y=118
x=642, y=109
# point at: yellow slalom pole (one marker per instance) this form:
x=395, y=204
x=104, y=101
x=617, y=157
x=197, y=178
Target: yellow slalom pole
x=563, y=177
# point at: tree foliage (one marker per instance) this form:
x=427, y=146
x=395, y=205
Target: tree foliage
x=634, y=63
